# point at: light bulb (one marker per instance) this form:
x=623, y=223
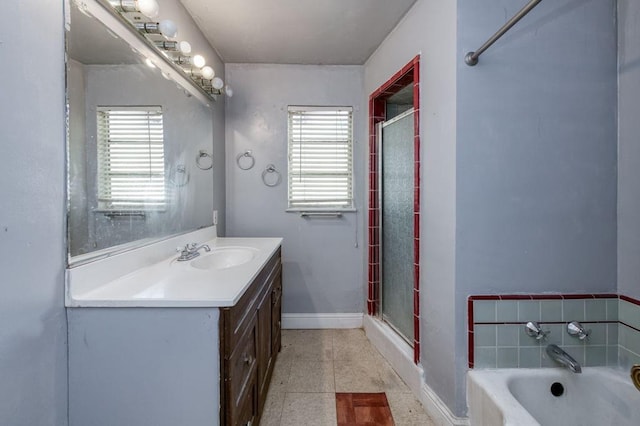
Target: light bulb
x=208, y=73
x=217, y=83
x=149, y=63
x=184, y=47
x=149, y=8
x=168, y=28
x=198, y=61
x=228, y=90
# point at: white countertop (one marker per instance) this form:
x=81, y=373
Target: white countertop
x=170, y=283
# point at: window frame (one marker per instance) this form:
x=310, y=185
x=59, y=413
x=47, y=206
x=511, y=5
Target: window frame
x=351, y=207
x=107, y=204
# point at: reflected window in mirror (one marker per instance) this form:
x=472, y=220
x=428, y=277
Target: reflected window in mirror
x=131, y=165
x=107, y=212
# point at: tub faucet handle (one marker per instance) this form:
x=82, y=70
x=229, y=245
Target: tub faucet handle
x=533, y=329
x=575, y=329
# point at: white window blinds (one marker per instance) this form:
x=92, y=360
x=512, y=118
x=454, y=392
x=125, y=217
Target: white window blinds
x=320, y=158
x=130, y=158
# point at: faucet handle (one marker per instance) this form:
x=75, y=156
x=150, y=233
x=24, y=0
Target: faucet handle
x=575, y=329
x=533, y=329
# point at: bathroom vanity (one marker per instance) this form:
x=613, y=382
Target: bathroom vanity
x=175, y=343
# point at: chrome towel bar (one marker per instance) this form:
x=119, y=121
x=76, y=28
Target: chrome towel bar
x=471, y=58
x=321, y=214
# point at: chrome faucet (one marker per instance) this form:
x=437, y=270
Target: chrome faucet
x=575, y=329
x=533, y=329
x=561, y=357
x=191, y=251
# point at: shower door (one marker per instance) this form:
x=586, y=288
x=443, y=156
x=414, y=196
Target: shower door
x=396, y=183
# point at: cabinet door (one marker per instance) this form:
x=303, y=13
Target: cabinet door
x=264, y=344
x=241, y=378
x=247, y=414
x=276, y=314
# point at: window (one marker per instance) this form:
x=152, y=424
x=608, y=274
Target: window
x=320, y=158
x=130, y=158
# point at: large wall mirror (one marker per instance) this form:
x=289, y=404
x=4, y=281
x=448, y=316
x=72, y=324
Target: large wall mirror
x=139, y=146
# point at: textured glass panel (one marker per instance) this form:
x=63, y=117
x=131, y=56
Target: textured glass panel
x=397, y=225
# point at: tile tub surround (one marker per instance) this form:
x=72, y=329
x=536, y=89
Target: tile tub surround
x=496, y=337
x=629, y=332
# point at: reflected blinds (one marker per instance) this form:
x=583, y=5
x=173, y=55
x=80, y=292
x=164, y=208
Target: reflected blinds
x=320, y=158
x=130, y=158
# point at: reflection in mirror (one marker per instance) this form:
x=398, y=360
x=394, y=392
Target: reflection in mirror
x=133, y=141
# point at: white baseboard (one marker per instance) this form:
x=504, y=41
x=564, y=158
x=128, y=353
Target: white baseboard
x=438, y=410
x=400, y=356
x=315, y=321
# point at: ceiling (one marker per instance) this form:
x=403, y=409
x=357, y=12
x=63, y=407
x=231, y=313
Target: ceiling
x=319, y=32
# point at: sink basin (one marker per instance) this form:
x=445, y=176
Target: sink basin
x=224, y=258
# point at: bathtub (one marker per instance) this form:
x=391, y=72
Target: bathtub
x=599, y=396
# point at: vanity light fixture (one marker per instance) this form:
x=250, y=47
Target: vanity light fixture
x=157, y=33
x=148, y=27
x=208, y=73
x=148, y=8
x=184, y=47
x=168, y=28
x=198, y=61
x=217, y=83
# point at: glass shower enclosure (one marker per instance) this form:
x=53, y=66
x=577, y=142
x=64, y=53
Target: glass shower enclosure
x=396, y=183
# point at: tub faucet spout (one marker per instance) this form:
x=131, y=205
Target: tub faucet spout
x=561, y=357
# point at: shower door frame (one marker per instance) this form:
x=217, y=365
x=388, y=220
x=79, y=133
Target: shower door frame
x=408, y=75
x=380, y=153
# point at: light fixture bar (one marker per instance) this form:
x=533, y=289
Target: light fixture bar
x=103, y=11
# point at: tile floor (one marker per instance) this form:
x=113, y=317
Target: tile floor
x=315, y=364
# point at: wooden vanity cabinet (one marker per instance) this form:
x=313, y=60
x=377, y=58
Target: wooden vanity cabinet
x=249, y=343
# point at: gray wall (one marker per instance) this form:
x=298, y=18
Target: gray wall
x=323, y=270
x=518, y=160
x=33, y=366
x=628, y=148
x=33, y=360
x=536, y=152
x=429, y=28
x=537, y=149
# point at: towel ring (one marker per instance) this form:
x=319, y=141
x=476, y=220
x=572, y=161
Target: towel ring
x=204, y=154
x=183, y=180
x=271, y=169
x=246, y=154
